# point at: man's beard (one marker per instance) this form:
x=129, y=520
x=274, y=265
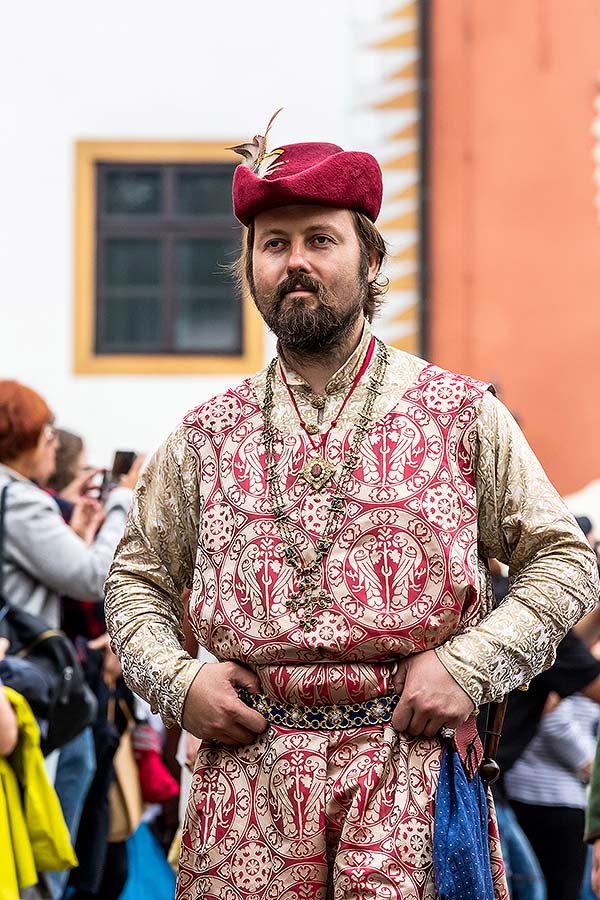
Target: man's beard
x=310, y=330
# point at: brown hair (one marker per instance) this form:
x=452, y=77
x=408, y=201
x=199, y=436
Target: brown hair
x=23, y=414
x=67, y=459
x=369, y=239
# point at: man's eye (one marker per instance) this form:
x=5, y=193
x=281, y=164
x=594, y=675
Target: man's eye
x=321, y=239
x=274, y=244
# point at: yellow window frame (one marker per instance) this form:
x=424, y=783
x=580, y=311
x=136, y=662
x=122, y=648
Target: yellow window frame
x=86, y=361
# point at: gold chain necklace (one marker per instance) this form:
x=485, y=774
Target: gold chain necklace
x=310, y=596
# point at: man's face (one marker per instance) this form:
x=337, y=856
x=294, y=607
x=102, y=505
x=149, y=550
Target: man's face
x=309, y=280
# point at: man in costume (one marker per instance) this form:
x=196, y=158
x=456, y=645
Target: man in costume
x=333, y=515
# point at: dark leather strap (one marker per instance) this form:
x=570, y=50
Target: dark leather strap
x=489, y=768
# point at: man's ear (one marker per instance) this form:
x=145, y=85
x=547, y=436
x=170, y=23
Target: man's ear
x=374, y=265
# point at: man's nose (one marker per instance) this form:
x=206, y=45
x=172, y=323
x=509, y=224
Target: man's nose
x=297, y=260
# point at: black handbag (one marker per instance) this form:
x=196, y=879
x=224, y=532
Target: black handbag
x=64, y=701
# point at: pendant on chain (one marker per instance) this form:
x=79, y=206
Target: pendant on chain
x=308, y=600
x=318, y=472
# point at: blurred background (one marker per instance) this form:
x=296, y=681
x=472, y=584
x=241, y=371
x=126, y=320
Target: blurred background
x=116, y=223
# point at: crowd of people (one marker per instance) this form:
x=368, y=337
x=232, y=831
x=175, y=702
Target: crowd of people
x=546, y=756
x=65, y=817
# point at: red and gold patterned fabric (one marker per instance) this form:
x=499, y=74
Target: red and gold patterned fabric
x=403, y=574
x=299, y=812
x=403, y=566
x=445, y=479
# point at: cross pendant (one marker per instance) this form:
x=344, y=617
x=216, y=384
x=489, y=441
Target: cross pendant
x=310, y=601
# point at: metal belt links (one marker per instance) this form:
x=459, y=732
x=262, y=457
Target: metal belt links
x=376, y=711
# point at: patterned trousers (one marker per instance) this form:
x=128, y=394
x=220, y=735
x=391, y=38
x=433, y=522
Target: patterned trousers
x=306, y=815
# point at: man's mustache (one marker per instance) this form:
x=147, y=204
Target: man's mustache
x=293, y=282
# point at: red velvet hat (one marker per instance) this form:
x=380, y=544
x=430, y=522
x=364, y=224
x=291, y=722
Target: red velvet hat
x=310, y=173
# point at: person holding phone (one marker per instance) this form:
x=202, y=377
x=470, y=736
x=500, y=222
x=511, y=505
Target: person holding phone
x=44, y=558
x=57, y=550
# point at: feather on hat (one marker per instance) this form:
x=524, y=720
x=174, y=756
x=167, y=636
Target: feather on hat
x=316, y=174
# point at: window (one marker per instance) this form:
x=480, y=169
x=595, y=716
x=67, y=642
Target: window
x=153, y=294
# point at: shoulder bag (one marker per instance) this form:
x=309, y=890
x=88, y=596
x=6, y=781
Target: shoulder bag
x=125, y=795
x=61, y=697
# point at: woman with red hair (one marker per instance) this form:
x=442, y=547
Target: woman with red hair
x=44, y=557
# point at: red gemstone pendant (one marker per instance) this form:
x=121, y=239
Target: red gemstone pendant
x=318, y=472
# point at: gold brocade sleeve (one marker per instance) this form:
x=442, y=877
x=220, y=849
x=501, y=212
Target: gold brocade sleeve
x=153, y=564
x=523, y=522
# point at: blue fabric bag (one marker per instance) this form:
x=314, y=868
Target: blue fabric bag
x=150, y=875
x=461, y=856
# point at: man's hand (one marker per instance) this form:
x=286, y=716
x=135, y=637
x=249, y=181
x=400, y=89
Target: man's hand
x=429, y=696
x=214, y=712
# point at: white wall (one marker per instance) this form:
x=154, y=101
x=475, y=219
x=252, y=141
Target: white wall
x=125, y=69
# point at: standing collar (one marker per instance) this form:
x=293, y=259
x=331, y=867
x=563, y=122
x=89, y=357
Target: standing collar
x=342, y=379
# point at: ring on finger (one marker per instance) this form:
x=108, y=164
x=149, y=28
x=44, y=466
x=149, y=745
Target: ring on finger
x=447, y=732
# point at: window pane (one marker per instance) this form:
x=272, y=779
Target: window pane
x=132, y=261
x=203, y=193
x=208, y=308
x=208, y=324
x=132, y=322
x=204, y=260
x=133, y=193
x=131, y=285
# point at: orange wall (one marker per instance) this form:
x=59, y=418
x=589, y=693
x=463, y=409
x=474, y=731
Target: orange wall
x=514, y=238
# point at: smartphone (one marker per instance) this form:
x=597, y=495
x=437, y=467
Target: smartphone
x=122, y=463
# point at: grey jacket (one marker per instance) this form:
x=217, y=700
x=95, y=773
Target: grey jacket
x=44, y=558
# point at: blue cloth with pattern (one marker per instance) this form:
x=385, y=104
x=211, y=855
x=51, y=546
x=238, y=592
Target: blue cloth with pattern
x=461, y=856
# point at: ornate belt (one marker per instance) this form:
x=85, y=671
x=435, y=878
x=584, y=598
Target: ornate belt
x=376, y=711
